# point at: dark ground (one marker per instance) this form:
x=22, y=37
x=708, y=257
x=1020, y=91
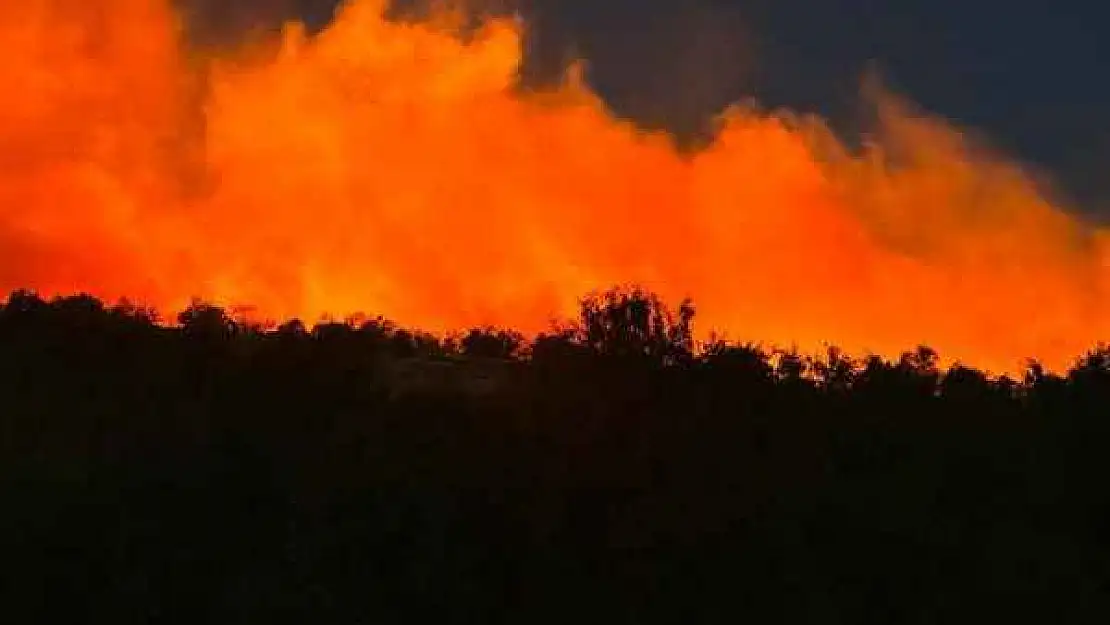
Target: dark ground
x=217, y=472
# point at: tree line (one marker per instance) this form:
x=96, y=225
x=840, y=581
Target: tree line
x=610, y=470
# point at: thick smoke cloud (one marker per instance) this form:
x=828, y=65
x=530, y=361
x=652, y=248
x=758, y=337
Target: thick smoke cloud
x=396, y=168
x=223, y=21
x=667, y=65
x=1031, y=80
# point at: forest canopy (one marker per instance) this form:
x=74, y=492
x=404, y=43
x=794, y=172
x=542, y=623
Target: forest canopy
x=211, y=469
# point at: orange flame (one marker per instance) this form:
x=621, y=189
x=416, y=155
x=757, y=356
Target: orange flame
x=395, y=168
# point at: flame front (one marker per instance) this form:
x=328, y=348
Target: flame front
x=395, y=168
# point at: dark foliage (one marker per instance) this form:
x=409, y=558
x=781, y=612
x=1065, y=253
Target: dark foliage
x=212, y=471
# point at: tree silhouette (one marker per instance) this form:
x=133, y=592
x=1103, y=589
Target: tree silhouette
x=632, y=323
x=216, y=470
x=491, y=343
x=206, y=322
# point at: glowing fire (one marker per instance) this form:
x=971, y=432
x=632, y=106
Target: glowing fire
x=394, y=168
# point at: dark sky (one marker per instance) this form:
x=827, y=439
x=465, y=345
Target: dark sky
x=1032, y=76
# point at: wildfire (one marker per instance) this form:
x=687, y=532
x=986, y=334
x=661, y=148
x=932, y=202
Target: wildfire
x=395, y=168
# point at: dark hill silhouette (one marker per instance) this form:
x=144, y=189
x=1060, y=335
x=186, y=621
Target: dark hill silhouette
x=215, y=471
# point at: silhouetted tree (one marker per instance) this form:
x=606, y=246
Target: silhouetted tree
x=206, y=322
x=835, y=373
x=491, y=343
x=634, y=323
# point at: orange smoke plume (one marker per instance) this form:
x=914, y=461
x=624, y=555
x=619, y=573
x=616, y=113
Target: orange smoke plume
x=396, y=168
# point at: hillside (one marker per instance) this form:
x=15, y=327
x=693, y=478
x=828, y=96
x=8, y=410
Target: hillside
x=211, y=471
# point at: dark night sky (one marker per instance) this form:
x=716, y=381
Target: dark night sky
x=1032, y=76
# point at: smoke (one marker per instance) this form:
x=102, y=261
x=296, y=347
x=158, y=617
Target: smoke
x=210, y=23
x=395, y=167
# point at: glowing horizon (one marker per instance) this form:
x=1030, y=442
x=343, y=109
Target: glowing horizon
x=396, y=169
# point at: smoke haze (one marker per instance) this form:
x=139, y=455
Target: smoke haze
x=395, y=167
